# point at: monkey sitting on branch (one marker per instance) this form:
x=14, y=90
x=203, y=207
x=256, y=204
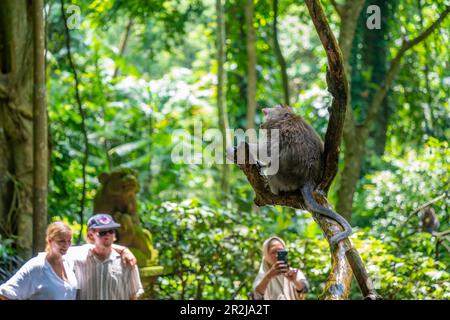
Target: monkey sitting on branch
x=300, y=160
x=429, y=220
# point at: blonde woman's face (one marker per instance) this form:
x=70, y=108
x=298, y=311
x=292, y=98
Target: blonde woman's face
x=273, y=248
x=60, y=245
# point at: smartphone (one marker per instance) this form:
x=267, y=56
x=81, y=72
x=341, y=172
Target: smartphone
x=282, y=256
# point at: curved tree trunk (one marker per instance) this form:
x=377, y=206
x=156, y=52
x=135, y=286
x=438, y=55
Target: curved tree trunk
x=16, y=123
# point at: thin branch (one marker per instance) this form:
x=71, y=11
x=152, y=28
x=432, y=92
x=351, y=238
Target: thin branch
x=241, y=285
x=83, y=120
x=421, y=207
x=441, y=234
x=123, y=44
x=392, y=72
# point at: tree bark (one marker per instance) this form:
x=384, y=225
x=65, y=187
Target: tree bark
x=16, y=123
x=251, y=66
x=40, y=135
x=221, y=103
x=279, y=54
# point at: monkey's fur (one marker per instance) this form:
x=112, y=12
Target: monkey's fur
x=429, y=222
x=301, y=161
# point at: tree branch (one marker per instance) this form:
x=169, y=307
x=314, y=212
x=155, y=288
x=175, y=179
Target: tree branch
x=377, y=100
x=423, y=206
x=123, y=45
x=441, y=234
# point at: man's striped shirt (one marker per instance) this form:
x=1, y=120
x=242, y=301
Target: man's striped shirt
x=104, y=280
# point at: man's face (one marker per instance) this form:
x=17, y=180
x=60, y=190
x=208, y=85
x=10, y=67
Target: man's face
x=104, y=237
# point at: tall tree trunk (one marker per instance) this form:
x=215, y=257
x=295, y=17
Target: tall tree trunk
x=354, y=153
x=40, y=154
x=251, y=66
x=279, y=54
x=16, y=122
x=221, y=103
x=370, y=53
x=375, y=57
x=349, y=14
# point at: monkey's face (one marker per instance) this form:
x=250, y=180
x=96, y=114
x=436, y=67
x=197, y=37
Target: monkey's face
x=276, y=113
x=122, y=183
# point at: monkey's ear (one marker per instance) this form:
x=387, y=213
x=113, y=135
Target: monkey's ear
x=103, y=177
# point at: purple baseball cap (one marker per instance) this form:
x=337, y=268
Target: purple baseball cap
x=102, y=221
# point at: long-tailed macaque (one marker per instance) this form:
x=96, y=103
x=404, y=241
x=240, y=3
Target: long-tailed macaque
x=429, y=221
x=300, y=161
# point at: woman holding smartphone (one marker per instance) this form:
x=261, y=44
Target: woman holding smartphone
x=275, y=279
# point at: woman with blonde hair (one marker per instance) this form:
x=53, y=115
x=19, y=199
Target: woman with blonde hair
x=48, y=276
x=275, y=279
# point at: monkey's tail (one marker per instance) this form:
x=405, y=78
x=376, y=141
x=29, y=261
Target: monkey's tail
x=307, y=193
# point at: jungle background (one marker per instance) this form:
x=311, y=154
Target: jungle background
x=131, y=73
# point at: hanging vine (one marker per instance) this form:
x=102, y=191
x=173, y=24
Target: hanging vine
x=83, y=121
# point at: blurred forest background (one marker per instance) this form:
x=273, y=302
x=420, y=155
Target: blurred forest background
x=135, y=71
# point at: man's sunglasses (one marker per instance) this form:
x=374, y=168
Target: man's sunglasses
x=104, y=233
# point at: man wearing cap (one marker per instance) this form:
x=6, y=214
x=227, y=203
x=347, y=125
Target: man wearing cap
x=99, y=270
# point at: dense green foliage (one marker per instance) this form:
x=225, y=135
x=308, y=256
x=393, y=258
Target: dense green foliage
x=166, y=81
